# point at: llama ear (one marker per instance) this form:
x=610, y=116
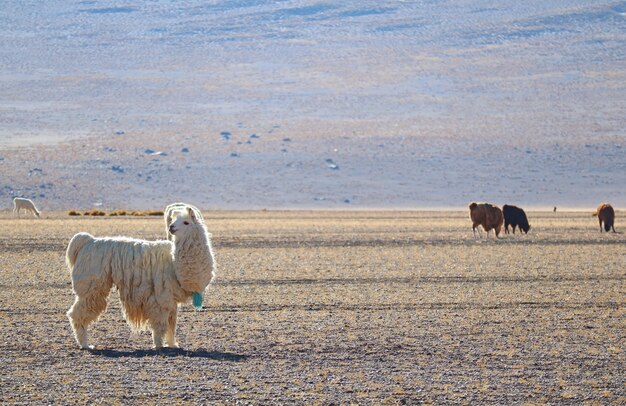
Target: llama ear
x=192, y=214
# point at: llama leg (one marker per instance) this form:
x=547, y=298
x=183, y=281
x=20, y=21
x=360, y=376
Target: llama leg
x=159, y=329
x=170, y=335
x=474, y=230
x=85, y=311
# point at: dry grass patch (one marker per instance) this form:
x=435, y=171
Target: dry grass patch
x=116, y=213
x=94, y=212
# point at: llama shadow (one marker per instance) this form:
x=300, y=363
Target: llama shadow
x=171, y=352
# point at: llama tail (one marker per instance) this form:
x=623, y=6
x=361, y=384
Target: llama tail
x=73, y=248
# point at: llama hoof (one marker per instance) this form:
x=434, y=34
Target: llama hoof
x=87, y=347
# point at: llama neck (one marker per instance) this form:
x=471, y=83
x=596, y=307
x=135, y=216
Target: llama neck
x=193, y=260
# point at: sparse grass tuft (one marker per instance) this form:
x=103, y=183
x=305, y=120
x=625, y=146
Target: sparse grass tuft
x=94, y=213
x=114, y=213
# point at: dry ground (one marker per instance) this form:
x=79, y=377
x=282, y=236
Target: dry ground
x=335, y=307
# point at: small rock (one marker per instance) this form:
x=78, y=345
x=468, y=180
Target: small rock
x=332, y=164
x=119, y=133
x=226, y=135
x=254, y=136
x=155, y=153
x=35, y=171
x=117, y=168
x=286, y=139
x=184, y=149
x=235, y=155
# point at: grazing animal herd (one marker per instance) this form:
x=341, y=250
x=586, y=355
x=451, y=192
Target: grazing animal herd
x=490, y=217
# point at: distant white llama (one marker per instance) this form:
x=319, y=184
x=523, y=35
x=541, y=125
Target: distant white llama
x=170, y=209
x=153, y=277
x=20, y=203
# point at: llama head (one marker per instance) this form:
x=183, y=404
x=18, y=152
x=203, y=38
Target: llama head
x=183, y=221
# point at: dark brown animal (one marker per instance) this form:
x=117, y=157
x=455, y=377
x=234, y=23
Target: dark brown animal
x=606, y=214
x=515, y=217
x=486, y=215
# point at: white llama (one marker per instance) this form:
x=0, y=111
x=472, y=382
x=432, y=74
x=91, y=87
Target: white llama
x=20, y=203
x=153, y=277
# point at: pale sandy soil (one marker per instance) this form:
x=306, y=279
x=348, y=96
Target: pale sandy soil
x=335, y=307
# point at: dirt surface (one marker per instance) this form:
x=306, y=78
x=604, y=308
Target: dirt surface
x=334, y=307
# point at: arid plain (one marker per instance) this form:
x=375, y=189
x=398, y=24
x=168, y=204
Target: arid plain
x=327, y=307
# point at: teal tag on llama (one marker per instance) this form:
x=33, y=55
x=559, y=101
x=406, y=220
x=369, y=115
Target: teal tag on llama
x=196, y=299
